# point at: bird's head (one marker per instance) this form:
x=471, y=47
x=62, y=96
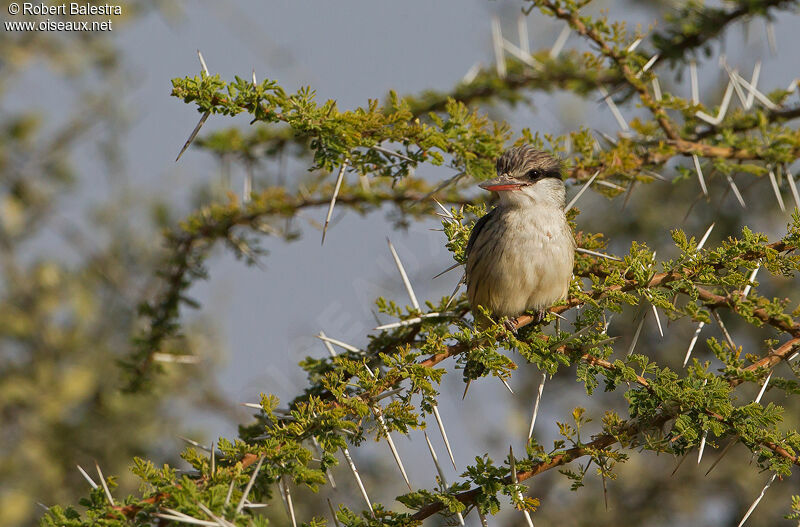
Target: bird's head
x=526, y=176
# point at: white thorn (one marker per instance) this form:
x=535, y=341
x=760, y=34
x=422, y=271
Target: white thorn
x=522, y=29
x=599, y=255
x=726, y=101
x=558, y=45
x=339, y=179
x=735, y=190
x=703, y=439
x=753, y=83
x=404, y=276
x=455, y=290
x=763, y=388
x=725, y=333
x=333, y=513
x=255, y=81
x=185, y=519
x=358, y=479
x=755, y=503
x=287, y=501
x=376, y=409
x=318, y=449
x=607, y=323
x=707, y=118
x=526, y=58
x=773, y=45
x=650, y=62
x=410, y=321
x=774, y=183
x=505, y=383
x=695, y=86
x=435, y=460
x=656, y=89
x=750, y=281
x=87, y=477
x=514, y=479
x=447, y=270
x=633, y=45
x=733, y=76
x=793, y=187
x=702, y=447
x=723, y=108
x=388, y=393
x=193, y=134
x=389, y=152
x=447, y=213
x=497, y=41
x=637, y=332
x=703, y=240
x=693, y=342
x=195, y=443
x=658, y=320
x=442, y=478
x=202, y=62
x=247, y=189
x=444, y=435
x=471, y=73
x=721, y=455
x=608, y=138
x=249, y=485
x=611, y=185
x=536, y=404
x=323, y=337
x=763, y=99
x=217, y=520
x=103, y=483
x=614, y=110
x=700, y=174
x=581, y=191
x=175, y=359
x=339, y=343
x=230, y=492
x=213, y=468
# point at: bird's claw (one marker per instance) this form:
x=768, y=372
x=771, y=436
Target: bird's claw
x=511, y=325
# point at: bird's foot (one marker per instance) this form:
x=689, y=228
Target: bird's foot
x=539, y=316
x=511, y=325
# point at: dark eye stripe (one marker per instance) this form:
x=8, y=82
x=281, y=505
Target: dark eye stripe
x=538, y=174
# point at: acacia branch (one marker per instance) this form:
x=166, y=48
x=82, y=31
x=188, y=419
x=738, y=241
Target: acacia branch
x=571, y=17
x=695, y=25
x=629, y=429
x=190, y=245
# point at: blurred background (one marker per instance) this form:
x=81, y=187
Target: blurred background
x=88, y=140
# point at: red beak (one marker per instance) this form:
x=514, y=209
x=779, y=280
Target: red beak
x=501, y=183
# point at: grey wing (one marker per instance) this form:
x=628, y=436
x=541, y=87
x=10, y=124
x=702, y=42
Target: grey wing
x=476, y=230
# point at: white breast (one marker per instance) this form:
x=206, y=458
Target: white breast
x=522, y=262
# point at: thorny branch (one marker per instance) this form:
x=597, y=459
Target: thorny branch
x=189, y=245
x=618, y=58
x=331, y=136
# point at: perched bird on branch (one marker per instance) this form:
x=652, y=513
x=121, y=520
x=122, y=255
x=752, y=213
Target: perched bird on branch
x=520, y=254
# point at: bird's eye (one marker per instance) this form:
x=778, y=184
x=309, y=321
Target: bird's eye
x=534, y=174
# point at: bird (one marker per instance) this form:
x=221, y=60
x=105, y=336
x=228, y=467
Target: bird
x=520, y=255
